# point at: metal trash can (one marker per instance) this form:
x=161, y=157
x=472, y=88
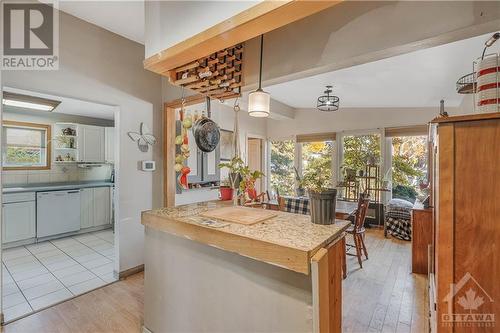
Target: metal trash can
x=323, y=206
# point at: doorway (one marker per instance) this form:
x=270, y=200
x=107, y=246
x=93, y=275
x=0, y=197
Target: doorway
x=255, y=159
x=59, y=238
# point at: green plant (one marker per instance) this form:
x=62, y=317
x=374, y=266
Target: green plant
x=249, y=178
x=234, y=165
x=317, y=181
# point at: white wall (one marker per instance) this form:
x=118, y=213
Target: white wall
x=347, y=119
x=97, y=65
x=356, y=32
x=171, y=22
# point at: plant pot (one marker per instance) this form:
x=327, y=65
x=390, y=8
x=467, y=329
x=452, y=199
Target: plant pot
x=300, y=192
x=322, y=206
x=226, y=193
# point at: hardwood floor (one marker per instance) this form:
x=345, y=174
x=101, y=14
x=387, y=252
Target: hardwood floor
x=114, y=308
x=382, y=297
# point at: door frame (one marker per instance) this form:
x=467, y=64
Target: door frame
x=263, y=153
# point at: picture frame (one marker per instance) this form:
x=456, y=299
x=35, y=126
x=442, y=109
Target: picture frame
x=226, y=145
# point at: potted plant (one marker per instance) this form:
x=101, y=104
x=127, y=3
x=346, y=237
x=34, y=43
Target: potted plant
x=225, y=190
x=247, y=183
x=322, y=197
x=235, y=166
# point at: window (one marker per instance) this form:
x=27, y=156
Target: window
x=317, y=158
x=25, y=146
x=409, y=167
x=282, y=172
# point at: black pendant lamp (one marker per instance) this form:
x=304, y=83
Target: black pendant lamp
x=328, y=102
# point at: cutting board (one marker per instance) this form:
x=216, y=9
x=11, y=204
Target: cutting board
x=240, y=215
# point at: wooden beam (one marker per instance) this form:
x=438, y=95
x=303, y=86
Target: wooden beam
x=259, y=19
x=189, y=100
x=169, y=181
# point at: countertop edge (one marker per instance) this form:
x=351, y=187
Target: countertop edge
x=7, y=190
x=293, y=259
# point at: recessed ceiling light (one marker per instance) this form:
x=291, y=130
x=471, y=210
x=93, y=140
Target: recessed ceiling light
x=29, y=102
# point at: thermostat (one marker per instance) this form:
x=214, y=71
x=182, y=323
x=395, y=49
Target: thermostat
x=148, y=166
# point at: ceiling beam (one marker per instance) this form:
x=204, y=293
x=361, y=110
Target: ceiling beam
x=259, y=19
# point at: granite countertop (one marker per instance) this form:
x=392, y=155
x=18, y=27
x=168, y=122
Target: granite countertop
x=39, y=187
x=293, y=236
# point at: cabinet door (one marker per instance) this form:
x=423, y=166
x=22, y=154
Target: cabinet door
x=92, y=144
x=87, y=207
x=109, y=136
x=18, y=221
x=101, y=206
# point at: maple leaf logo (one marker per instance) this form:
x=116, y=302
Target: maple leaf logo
x=470, y=301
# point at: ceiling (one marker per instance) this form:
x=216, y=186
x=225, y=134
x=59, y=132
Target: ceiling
x=417, y=79
x=68, y=106
x=125, y=18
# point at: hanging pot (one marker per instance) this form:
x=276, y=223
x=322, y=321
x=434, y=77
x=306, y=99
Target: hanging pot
x=206, y=132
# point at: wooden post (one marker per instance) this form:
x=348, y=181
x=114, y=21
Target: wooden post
x=169, y=156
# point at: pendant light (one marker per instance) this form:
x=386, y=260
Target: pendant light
x=259, y=101
x=328, y=102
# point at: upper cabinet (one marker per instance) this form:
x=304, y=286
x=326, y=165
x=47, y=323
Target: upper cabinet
x=109, y=149
x=91, y=144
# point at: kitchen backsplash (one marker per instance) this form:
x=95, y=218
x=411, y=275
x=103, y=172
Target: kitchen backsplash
x=58, y=173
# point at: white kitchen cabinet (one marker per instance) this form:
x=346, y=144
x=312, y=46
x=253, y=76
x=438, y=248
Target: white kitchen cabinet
x=102, y=206
x=18, y=218
x=87, y=208
x=109, y=137
x=95, y=207
x=91, y=144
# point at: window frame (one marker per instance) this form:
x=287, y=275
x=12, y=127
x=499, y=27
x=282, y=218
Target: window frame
x=48, y=152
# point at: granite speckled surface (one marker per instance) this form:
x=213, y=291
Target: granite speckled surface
x=294, y=231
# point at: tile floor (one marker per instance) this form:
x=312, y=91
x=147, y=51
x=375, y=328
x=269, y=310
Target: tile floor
x=39, y=275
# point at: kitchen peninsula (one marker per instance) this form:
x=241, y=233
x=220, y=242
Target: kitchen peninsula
x=281, y=274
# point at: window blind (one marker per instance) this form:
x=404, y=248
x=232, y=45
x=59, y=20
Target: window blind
x=406, y=131
x=315, y=137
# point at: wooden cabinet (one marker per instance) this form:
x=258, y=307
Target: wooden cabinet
x=109, y=149
x=95, y=207
x=91, y=144
x=467, y=229
x=421, y=238
x=18, y=217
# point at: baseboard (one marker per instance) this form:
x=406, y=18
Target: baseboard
x=130, y=271
x=145, y=330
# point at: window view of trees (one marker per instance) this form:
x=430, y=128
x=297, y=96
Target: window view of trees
x=409, y=166
x=317, y=159
x=24, y=147
x=359, y=150
x=282, y=173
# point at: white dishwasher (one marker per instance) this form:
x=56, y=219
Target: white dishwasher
x=57, y=212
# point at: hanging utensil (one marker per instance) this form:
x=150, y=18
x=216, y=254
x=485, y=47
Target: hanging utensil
x=206, y=132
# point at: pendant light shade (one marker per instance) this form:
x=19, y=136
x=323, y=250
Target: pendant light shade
x=259, y=101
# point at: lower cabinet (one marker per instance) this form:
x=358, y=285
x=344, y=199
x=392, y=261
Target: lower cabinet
x=95, y=207
x=18, y=221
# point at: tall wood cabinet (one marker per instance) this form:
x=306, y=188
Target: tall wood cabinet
x=465, y=260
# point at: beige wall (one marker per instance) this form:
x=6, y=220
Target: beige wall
x=99, y=66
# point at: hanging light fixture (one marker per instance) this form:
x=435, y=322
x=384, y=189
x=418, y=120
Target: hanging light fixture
x=328, y=102
x=259, y=101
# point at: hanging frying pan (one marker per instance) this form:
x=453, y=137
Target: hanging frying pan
x=206, y=132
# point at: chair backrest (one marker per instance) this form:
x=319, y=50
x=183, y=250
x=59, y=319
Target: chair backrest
x=359, y=218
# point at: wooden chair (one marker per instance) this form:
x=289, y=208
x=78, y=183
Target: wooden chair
x=357, y=230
